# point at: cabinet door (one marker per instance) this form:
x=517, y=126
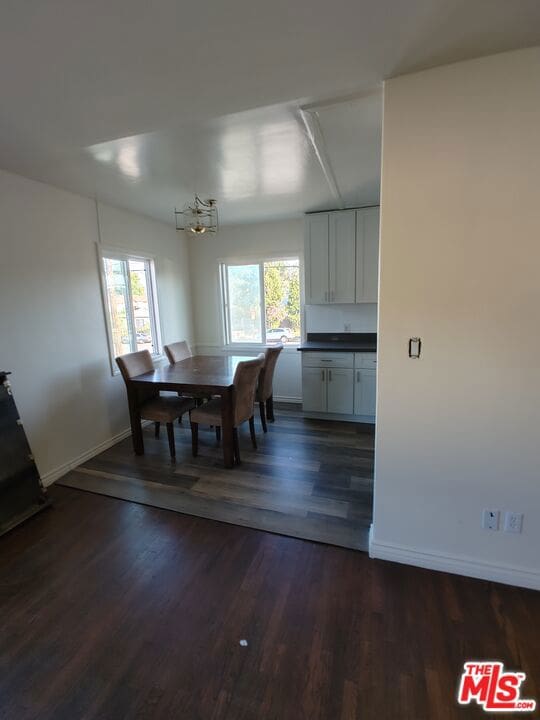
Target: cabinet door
x=314, y=389
x=316, y=258
x=340, y=391
x=365, y=392
x=367, y=255
x=342, y=256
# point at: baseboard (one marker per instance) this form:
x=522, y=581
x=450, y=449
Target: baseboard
x=50, y=477
x=285, y=399
x=455, y=564
x=364, y=419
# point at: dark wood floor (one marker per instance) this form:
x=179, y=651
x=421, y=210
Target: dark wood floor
x=111, y=610
x=311, y=479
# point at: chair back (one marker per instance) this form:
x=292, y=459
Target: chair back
x=266, y=378
x=177, y=351
x=134, y=364
x=245, y=385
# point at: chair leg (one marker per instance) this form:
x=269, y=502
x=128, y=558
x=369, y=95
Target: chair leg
x=194, y=438
x=236, y=446
x=156, y=429
x=252, y=431
x=218, y=433
x=270, y=409
x=170, y=436
x=263, y=417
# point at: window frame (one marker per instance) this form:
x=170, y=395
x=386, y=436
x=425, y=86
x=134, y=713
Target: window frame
x=223, y=264
x=112, y=253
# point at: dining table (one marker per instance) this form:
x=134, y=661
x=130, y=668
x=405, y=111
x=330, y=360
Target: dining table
x=209, y=374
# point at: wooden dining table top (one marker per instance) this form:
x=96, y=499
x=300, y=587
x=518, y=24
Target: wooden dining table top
x=213, y=372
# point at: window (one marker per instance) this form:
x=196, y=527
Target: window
x=129, y=288
x=261, y=301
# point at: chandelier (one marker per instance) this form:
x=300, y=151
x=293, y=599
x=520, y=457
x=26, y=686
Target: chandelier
x=199, y=217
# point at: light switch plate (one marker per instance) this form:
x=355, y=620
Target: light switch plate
x=490, y=519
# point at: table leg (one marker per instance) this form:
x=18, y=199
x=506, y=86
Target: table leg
x=227, y=426
x=136, y=430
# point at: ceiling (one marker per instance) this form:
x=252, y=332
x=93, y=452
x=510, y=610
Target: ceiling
x=140, y=103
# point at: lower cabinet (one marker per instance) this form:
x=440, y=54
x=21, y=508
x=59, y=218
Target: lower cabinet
x=339, y=388
x=365, y=392
x=329, y=387
x=314, y=389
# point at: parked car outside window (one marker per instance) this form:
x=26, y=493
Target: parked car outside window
x=278, y=335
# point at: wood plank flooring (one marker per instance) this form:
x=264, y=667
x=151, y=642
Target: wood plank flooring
x=310, y=479
x=111, y=610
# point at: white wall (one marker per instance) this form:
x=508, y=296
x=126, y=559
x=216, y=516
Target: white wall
x=52, y=326
x=341, y=318
x=250, y=241
x=458, y=430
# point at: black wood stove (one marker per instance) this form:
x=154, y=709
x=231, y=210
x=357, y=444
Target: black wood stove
x=21, y=491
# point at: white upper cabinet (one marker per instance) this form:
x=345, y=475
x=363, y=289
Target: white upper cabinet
x=342, y=251
x=316, y=259
x=367, y=255
x=342, y=257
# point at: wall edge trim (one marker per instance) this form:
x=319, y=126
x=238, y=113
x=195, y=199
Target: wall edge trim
x=55, y=474
x=455, y=564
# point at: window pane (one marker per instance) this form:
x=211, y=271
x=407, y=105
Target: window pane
x=244, y=303
x=141, y=306
x=282, y=301
x=118, y=298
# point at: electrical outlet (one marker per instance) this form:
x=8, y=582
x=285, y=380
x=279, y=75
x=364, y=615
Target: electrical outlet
x=490, y=519
x=513, y=522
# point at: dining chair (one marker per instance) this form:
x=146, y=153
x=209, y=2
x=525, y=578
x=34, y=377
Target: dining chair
x=264, y=395
x=176, y=352
x=150, y=404
x=245, y=384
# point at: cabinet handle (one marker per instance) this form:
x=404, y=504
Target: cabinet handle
x=322, y=375
x=358, y=376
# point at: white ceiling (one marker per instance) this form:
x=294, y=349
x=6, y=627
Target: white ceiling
x=141, y=103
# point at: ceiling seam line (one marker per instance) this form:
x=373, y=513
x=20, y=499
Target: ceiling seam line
x=316, y=139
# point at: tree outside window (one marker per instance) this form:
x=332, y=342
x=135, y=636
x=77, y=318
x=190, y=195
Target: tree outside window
x=262, y=301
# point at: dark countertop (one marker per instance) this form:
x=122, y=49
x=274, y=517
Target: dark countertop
x=340, y=342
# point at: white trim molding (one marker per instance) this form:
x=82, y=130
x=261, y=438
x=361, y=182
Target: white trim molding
x=53, y=475
x=456, y=564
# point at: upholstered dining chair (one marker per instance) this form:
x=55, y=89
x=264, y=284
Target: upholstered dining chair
x=265, y=388
x=245, y=384
x=150, y=404
x=176, y=352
